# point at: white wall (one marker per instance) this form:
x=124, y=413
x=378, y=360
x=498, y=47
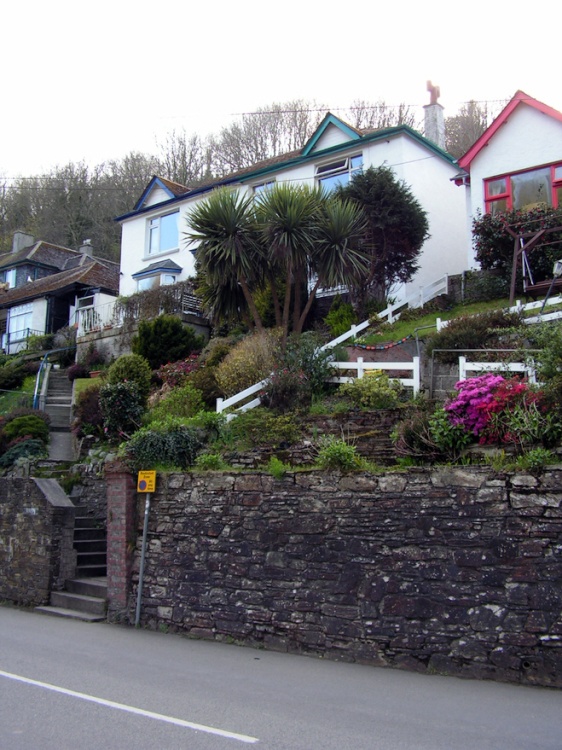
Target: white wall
x=428, y=175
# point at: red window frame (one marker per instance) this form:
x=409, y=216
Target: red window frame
x=555, y=186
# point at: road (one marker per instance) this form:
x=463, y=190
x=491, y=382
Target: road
x=67, y=685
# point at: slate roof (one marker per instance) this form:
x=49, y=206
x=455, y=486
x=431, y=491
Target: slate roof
x=48, y=255
x=92, y=273
x=163, y=265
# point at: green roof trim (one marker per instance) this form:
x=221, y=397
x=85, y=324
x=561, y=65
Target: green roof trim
x=330, y=119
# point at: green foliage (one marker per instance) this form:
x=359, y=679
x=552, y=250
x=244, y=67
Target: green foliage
x=277, y=468
x=524, y=423
x=165, y=339
x=341, y=317
x=12, y=377
x=286, y=390
x=335, y=454
x=205, y=381
x=449, y=438
x=536, y=460
x=216, y=350
x=149, y=447
x=88, y=416
x=184, y=401
x=39, y=343
x=27, y=412
x=375, y=390
x=260, y=427
x=481, y=286
x=210, y=462
x=494, y=245
x=131, y=368
x=547, y=338
x=470, y=332
x=28, y=426
x=250, y=361
x=397, y=227
x=77, y=371
x=32, y=448
x=122, y=408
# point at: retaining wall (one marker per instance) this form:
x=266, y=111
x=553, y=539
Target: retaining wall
x=454, y=571
x=36, y=540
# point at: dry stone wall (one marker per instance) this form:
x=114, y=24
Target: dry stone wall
x=453, y=571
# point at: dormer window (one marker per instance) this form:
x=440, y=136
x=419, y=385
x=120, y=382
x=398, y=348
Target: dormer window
x=339, y=172
x=163, y=233
x=9, y=278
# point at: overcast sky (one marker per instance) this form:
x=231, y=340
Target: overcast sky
x=93, y=81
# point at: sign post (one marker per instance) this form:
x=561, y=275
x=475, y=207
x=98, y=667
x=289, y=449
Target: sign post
x=146, y=483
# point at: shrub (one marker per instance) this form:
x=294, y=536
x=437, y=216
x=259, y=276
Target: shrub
x=32, y=448
x=77, y=371
x=131, y=368
x=341, y=317
x=12, y=377
x=336, y=454
x=414, y=439
x=204, y=379
x=261, y=427
x=494, y=245
x=165, y=339
x=28, y=426
x=185, y=401
x=216, y=350
x=304, y=354
x=122, y=408
x=469, y=332
x=373, y=391
x=24, y=411
x=149, y=447
x=250, y=361
x=449, y=438
x=469, y=408
x=93, y=359
x=88, y=416
x=175, y=373
x=286, y=390
x=210, y=462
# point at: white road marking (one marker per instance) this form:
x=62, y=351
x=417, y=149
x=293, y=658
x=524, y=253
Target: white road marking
x=132, y=709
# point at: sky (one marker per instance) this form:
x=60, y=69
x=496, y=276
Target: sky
x=94, y=81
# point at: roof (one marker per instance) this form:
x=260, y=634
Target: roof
x=48, y=255
x=275, y=164
x=520, y=99
x=163, y=265
x=103, y=275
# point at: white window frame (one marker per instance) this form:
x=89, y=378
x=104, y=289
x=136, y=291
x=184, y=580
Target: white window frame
x=154, y=235
x=164, y=278
x=337, y=167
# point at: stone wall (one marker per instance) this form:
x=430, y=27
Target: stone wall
x=36, y=539
x=452, y=571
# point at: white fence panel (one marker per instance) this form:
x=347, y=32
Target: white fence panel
x=465, y=367
x=361, y=367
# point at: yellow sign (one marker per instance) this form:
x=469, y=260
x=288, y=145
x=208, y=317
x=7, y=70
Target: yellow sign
x=146, y=481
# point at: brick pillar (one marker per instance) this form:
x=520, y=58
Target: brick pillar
x=121, y=530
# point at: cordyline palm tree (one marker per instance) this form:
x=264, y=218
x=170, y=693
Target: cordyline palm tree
x=311, y=237
x=229, y=252
x=293, y=232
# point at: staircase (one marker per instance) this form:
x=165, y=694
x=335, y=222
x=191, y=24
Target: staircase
x=84, y=597
x=58, y=405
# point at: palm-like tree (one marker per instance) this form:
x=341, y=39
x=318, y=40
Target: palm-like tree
x=228, y=248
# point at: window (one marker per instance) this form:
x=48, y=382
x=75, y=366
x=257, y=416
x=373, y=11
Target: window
x=263, y=186
x=153, y=282
x=84, y=302
x=163, y=233
x=9, y=278
x=339, y=172
x=21, y=320
x=526, y=190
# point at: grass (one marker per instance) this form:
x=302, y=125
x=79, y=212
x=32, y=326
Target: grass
x=10, y=400
x=428, y=323
x=84, y=384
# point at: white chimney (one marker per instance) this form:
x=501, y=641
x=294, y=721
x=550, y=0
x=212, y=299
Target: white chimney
x=86, y=248
x=21, y=240
x=434, y=125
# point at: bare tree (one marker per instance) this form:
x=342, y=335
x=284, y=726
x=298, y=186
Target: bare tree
x=366, y=115
x=185, y=159
x=464, y=128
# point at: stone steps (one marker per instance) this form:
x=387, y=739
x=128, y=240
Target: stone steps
x=82, y=599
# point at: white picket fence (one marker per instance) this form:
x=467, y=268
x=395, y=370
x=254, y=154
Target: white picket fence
x=516, y=367
x=360, y=368
x=390, y=313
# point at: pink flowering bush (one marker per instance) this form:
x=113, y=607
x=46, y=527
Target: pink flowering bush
x=175, y=373
x=470, y=408
x=502, y=410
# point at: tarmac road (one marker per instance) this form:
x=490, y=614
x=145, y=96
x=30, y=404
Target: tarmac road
x=67, y=684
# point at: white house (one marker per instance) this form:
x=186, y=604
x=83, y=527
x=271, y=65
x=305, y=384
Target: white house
x=516, y=162
x=154, y=250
